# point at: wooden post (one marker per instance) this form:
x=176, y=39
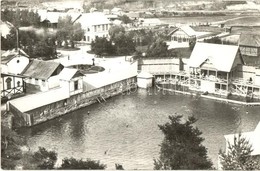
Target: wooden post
x=227, y=81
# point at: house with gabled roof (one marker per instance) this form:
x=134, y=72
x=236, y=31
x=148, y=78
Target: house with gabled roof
x=72, y=80
x=43, y=75
x=212, y=66
x=14, y=61
x=183, y=35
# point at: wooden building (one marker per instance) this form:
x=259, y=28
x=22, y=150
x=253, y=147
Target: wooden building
x=249, y=45
x=43, y=75
x=11, y=86
x=212, y=66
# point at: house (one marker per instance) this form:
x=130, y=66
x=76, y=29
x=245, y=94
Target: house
x=14, y=62
x=42, y=75
x=93, y=10
x=133, y=15
x=117, y=11
x=72, y=80
x=249, y=45
x=150, y=22
x=11, y=86
x=252, y=137
x=182, y=36
x=94, y=24
x=50, y=19
x=212, y=66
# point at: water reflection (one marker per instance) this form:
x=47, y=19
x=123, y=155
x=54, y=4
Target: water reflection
x=125, y=128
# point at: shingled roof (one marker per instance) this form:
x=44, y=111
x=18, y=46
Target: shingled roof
x=250, y=40
x=40, y=69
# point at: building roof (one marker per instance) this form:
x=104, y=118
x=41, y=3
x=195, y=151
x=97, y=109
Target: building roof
x=221, y=56
x=249, y=40
x=113, y=73
x=40, y=99
x=116, y=9
x=152, y=21
x=10, y=54
x=40, y=69
x=95, y=18
x=14, y=75
x=144, y=75
x=53, y=17
x=188, y=30
x=69, y=73
x=253, y=138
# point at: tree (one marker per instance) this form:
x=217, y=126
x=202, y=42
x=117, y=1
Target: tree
x=114, y=30
x=124, y=44
x=125, y=19
x=10, y=41
x=157, y=49
x=11, y=144
x=21, y=18
x=102, y=46
x=238, y=156
x=72, y=163
x=69, y=31
x=45, y=159
x=181, y=147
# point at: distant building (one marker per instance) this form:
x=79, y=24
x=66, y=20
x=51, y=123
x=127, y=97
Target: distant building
x=117, y=11
x=182, y=36
x=234, y=2
x=249, y=44
x=50, y=19
x=150, y=22
x=43, y=75
x=106, y=11
x=94, y=24
x=93, y=10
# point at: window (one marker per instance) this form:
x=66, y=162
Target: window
x=76, y=85
x=43, y=82
x=18, y=83
x=106, y=26
x=8, y=82
x=95, y=28
x=103, y=27
x=36, y=80
x=88, y=38
x=174, y=38
x=184, y=39
x=18, y=61
x=179, y=40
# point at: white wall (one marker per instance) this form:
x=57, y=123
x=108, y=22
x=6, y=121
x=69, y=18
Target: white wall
x=17, y=64
x=144, y=82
